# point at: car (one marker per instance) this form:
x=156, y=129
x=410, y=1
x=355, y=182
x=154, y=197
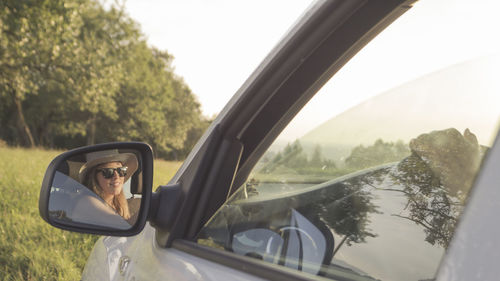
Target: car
x=403, y=186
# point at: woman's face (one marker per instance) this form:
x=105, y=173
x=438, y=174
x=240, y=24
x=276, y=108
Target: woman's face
x=113, y=185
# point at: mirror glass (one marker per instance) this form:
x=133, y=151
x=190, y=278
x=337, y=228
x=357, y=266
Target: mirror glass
x=100, y=189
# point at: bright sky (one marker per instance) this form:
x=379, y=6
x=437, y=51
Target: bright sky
x=218, y=43
x=430, y=36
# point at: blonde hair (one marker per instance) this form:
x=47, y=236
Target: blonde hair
x=120, y=204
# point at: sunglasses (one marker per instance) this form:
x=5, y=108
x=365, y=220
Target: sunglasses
x=108, y=173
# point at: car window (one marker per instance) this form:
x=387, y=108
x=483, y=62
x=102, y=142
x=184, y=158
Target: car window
x=369, y=180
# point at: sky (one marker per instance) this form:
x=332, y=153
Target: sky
x=431, y=36
x=217, y=44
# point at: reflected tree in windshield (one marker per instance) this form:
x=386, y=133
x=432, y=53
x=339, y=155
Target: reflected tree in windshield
x=344, y=208
x=436, y=179
x=429, y=203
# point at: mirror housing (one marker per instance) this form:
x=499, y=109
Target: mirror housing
x=63, y=188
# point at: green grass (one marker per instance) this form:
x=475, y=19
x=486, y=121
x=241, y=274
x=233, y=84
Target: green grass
x=164, y=171
x=30, y=249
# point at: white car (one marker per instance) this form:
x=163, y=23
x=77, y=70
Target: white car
x=403, y=186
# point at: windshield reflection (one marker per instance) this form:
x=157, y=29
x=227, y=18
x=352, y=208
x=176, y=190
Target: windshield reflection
x=408, y=208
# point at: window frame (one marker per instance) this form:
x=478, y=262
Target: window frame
x=229, y=144
x=327, y=36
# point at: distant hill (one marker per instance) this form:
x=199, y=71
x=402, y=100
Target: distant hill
x=435, y=101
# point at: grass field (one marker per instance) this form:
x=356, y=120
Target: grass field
x=30, y=249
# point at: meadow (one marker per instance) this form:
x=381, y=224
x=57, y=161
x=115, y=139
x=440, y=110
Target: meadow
x=30, y=249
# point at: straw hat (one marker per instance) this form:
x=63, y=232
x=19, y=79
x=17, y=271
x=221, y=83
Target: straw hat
x=106, y=156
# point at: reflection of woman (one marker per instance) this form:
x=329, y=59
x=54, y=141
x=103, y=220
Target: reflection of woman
x=105, y=173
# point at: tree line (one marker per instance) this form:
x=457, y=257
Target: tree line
x=74, y=73
x=294, y=158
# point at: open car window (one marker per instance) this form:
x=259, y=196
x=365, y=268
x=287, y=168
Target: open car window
x=369, y=180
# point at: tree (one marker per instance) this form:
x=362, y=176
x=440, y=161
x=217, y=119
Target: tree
x=436, y=179
x=344, y=207
x=95, y=77
x=103, y=39
x=154, y=105
x=32, y=36
x=316, y=159
x=66, y=49
x=380, y=152
x=291, y=157
x=429, y=203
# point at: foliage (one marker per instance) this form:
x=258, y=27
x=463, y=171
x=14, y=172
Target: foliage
x=429, y=204
x=293, y=164
x=344, y=207
x=436, y=179
x=379, y=153
x=73, y=73
x=293, y=159
x=26, y=240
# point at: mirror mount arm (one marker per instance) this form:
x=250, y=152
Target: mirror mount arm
x=164, y=204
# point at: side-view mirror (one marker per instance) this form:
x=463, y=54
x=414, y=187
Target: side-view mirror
x=99, y=189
